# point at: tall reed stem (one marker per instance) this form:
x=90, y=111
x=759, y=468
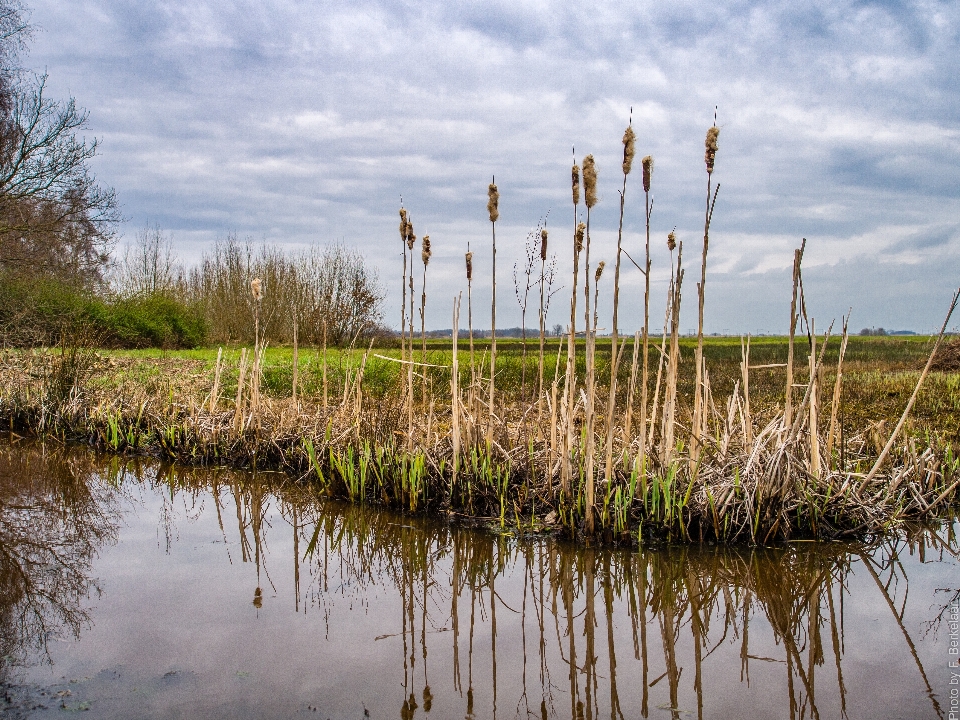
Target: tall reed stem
x=788, y=396
x=493, y=209
x=570, y=394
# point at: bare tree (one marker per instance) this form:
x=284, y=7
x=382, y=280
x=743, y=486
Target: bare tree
x=148, y=265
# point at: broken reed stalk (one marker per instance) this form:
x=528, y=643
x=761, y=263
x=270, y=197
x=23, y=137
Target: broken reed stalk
x=411, y=241
x=215, y=390
x=710, y=155
x=837, y=390
x=296, y=358
x=788, y=401
x=543, y=265
x=493, y=210
x=913, y=398
x=590, y=195
x=745, y=384
x=660, y=363
x=238, y=403
x=570, y=383
x=326, y=396
x=629, y=150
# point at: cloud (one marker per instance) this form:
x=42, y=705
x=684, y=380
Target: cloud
x=296, y=122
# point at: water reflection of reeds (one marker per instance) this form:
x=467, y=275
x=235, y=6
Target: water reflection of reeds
x=583, y=633
x=680, y=605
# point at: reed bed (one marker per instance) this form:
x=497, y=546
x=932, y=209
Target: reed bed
x=649, y=451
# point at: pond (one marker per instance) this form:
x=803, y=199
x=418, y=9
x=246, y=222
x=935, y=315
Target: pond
x=131, y=589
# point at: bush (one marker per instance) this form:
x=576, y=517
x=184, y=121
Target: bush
x=41, y=311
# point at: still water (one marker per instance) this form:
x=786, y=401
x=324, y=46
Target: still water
x=135, y=590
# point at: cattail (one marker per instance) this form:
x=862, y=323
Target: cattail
x=493, y=202
x=590, y=181
x=711, y=144
x=411, y=237
x=647, y=172
x=576, y=184
x=543, y=245
x=425, y=253
x=256, y=289
x=600, y=266
x=578, y=238
x=671, y=241
x=403, y=224
x=629, y=150
x=469, y=257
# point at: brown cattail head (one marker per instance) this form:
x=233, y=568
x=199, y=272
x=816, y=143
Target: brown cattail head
x=647, y=172
x=425, y=250
x=600, y=266
x=575, y=177
x=711, y=147
x=590, y=181
x=411, y=238
x=256, y=289
x=629, y=148
x=493, y=202
x=578, y=238
x=469, y=257
x=403, y=225
x=671, y=240
x=543, y=245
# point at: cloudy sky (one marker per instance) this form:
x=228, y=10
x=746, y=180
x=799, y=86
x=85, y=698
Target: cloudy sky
x=299, y=122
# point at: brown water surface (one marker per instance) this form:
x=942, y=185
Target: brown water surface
x=130, y=589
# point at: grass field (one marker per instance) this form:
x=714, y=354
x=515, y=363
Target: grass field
x=879, y=374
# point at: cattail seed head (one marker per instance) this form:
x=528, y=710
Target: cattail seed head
x=575, y=177
x=629, y=148
x=710, y=154
x=411, y=238
x=403, y=225
x=425, y=252
x=256, y=289
x=647, y=172
x=543, y=245
x=600, y=266
x=493, y=202
x=671, y=241
x=578, y=238
x=469, y=257
x=590, y=181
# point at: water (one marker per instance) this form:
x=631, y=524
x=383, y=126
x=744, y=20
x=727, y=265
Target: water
x=134, y=590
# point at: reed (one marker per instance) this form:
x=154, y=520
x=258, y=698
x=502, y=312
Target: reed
x=493, y=211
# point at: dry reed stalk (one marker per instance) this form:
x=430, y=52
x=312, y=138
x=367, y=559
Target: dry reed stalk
x=403, y=283
x=745, y=380
x=553, y=405
x=296, y=359
x=570, y=394
x=543, y=264
x=788, y=398
x=670, y=400
x=660, y=363
x=238, y=403
x=647, y=163
x=631, y=389
x=814, y=413
x=837, y=390
x=629, y=150
x=425, y=254
x=591, y=451
x=455, y=395
x=411, y=241
x=493, y=210
x=698, y=411
x=326, y=397
x=590, y=195
x=215, y=390
x=913, y=398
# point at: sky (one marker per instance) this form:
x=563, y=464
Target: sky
x=302, y=123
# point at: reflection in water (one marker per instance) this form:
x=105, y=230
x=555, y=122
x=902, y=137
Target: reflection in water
x=524, y=628
x=55, y=514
